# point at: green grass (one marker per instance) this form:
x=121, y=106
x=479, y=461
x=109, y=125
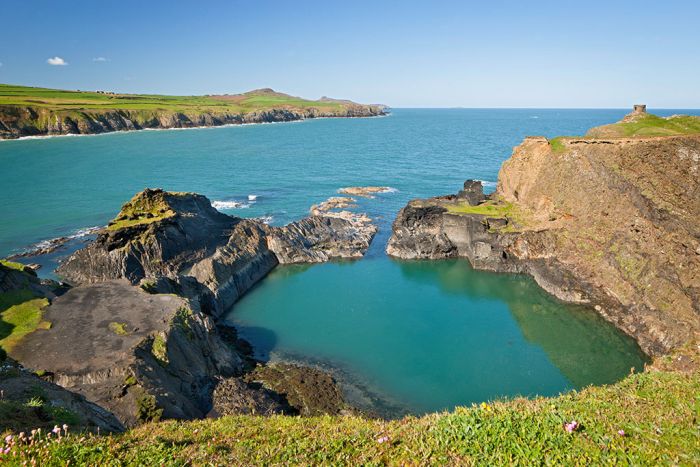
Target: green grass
x=143, y=210
x=20, y=314
x=557, y=144
x=658, y=411
x=12, y=265
x=651, y=125
x=493, y=208
x=60, y=100
x=159, y=349
x=118, y=328
x=33, y=413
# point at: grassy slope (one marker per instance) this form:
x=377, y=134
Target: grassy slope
x=20, y=314
x=646, y=125
x=58, y=100
x=652, y=125
x=657, y=410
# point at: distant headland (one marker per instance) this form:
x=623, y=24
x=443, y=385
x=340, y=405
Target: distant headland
x=30, y=111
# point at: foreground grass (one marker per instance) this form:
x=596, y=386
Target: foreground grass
x=657, y=411
x=20, y=313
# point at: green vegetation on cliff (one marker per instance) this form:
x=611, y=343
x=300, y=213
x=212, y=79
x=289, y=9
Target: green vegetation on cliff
x=55, y=99
x=13, y=265
x=20, y=313
x=28, y=111
x=649, y=125
x=648, y=418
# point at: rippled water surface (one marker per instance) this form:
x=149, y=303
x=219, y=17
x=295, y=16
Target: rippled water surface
x=402, y=336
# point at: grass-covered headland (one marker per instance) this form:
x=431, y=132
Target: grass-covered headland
x=647, y=419
x=28, y=111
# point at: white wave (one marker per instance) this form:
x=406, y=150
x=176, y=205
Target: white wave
x=229, y=205
x=265, y=219
x=389, y=190
x=53, y=243
x=487, y=183
x=80, y=233
x=252, y=197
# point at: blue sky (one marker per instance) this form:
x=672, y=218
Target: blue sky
x=402, y=53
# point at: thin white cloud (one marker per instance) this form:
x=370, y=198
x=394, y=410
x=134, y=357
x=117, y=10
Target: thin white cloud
x=56, y=61
x=0, y=63
x=100, y=59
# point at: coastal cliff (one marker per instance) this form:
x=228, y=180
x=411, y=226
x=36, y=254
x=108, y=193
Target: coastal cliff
x=43, y=112
x=139, y=334
x=610, y=222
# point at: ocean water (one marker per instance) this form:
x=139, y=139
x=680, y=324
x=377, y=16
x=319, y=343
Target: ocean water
x=403, y=337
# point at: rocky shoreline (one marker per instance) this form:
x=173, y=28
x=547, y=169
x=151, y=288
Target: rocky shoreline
x=142, y=315
x=26, y=121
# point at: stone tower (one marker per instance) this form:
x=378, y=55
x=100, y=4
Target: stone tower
x=640, y=108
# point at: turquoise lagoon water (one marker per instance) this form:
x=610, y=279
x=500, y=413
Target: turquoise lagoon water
x=401, y=336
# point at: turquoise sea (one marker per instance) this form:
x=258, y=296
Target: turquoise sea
x=403, y=337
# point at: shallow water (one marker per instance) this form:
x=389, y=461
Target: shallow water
x=421, y=336
x=414, y=336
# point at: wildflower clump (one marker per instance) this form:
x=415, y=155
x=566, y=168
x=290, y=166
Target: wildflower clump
x=15, y=448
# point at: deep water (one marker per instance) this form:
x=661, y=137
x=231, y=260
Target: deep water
x=402, y=336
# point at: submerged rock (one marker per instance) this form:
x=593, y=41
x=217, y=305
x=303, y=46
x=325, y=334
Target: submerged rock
x=309, y=391
x=365, y=191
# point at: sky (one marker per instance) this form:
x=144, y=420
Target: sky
x=600, y=54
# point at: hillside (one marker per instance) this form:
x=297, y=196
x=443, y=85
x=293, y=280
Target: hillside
x=30, y=111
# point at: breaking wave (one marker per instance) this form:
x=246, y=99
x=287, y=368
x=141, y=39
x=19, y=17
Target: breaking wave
x=229, y=205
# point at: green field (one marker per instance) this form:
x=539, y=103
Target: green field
x=58, y=100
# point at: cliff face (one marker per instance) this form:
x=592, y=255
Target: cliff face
x=610, y=222
x=18, y=121
x=179, y=242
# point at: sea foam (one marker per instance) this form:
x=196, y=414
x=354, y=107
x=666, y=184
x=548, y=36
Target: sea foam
x=229, y=205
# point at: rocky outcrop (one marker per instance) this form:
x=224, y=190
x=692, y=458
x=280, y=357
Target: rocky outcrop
x=177, y=243
x=311, y=392
x=19, y=121
x=120, y=346
x=612, y=223
x=49, y=402
x=139, y=336
x=317, y=239
x=365, y=191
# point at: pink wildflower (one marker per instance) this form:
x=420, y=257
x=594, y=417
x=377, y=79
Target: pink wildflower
x=621, y=432
x=8, y=439
x=383, y=439
x=56, y=430
x=571, y=426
